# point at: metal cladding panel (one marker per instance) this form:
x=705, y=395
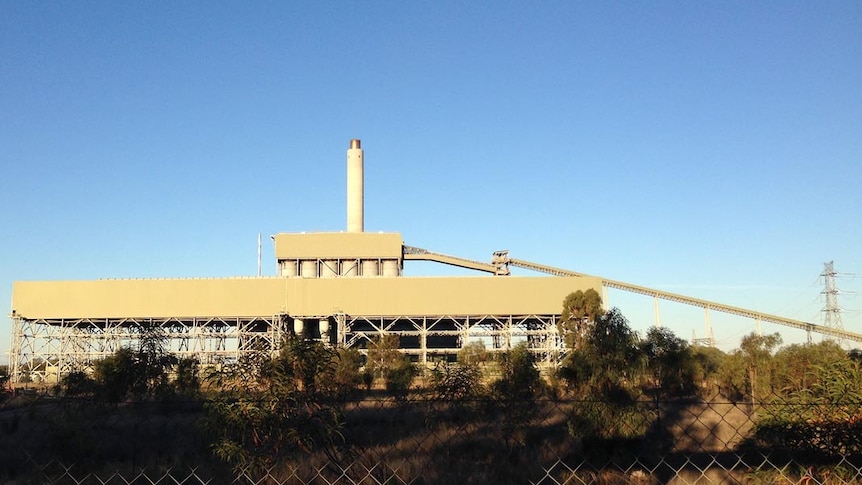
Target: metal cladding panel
x=417, y=296
x=145, y=298
x=338, y=245
x=227, y=297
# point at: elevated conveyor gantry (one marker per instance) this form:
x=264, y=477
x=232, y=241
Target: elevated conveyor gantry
x=501, y=262
x=419, y=254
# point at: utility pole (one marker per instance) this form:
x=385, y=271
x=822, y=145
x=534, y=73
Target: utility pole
x=258, y=255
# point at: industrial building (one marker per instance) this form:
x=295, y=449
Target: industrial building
x=344, y=288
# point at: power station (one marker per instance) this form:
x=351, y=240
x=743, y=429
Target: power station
x=344, y=288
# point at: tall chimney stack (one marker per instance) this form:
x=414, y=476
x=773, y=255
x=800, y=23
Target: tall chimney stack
x=355, y=188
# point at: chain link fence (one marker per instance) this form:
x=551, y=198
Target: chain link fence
x=417, y=439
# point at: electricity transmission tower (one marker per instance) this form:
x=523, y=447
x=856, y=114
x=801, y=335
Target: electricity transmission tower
x=832, y=311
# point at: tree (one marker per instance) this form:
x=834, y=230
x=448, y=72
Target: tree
x=383, y=354
x=792, y=365
x=605, y=371
x=347, y=375
x=732, y=376
x=137, y=373
x=281, y=407
x=519, y=375
x=608, y=360
x=461, y=383
x=399, y=377
x=669, y=361
x=77, y=383
x=516, y=391
x=580, y=310
x=152, y=361
x=756, y=353
x=456, y=382
x=473, y=353
x=116, y=375
x=187, y=382
x=384, y=360
x=708, y=362
x=303, y=365
x=824, y=417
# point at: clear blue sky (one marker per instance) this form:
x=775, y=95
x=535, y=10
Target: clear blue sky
x=708, y=148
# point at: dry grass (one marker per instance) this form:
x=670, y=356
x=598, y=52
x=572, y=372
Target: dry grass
x=386, y=441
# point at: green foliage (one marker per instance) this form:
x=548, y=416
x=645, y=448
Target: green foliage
x=457, y=382
x=708, y=362
x=733, y=377
x=4, y=376
x=77, y=383
x=187, y=382
x=303, y=365
x=824, y=417
x=347, y=376
x=367, y=378
x=519, y=376
x=153, y=362
x=138, y=374
x=384, y=360
x=267, y=410
x=383, y=354
x=609, y=359
x=745, y=372
x=399, y=377
x=116, y=375
x=610, y=422
x=792, y=366
x=670, y=362
x=461, y=382
x=756, y=354
x=515, y=395
x=580, y=311
x=473, y=353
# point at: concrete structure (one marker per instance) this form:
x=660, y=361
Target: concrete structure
x=344, y=288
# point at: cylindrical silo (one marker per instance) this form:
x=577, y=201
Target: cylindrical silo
x=369, y=267
x=329, y=268
x=355, y=188
x=308, y=268
x=298, y=326
x=324, y=329
x=288, y=268
x=390, y=267
x=349, y=267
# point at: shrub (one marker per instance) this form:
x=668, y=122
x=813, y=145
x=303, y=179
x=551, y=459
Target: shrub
x=825, y=417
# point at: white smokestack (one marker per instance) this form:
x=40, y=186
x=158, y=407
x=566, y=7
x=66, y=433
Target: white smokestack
x=355, y=188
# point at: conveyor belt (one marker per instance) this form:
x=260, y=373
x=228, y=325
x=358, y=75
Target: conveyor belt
x=413, y=253
x=710, y=305
x=501, y=262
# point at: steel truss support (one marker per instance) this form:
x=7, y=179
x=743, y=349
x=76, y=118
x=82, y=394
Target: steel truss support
x=43, y=351
x=442, y=336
